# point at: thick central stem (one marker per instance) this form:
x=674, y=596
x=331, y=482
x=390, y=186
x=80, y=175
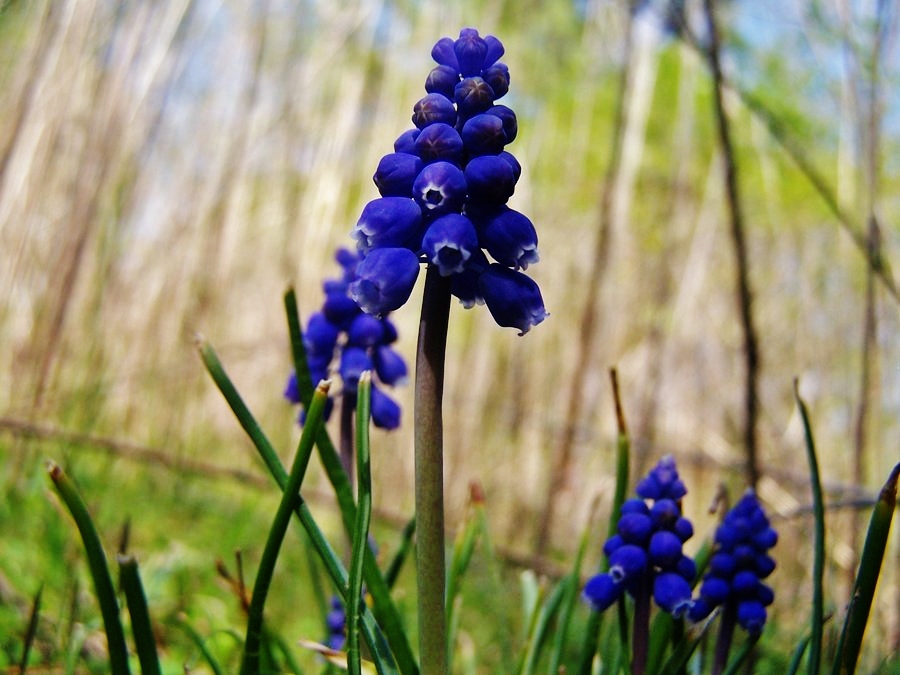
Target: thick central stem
x=430, y=561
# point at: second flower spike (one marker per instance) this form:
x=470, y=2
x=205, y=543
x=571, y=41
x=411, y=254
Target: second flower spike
x=444, y=193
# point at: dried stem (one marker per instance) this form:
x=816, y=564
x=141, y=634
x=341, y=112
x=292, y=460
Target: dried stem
x=745, y=295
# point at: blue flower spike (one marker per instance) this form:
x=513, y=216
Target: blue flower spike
x=646, y=552
x=739, y=563
x=444, y=191
x=343, y=338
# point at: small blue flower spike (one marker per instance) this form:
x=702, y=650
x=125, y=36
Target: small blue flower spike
x=646, y=551
x=444, y=191
x=739, y=563
x=341, y=333
x=336, y=624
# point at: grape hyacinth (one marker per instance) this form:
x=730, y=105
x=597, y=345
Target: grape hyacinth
x=336, y=624
x=359, y=341
x=646, y=552
x=738, y=564
x=444, y=193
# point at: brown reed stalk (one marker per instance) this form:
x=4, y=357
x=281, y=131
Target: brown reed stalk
x=742, y=265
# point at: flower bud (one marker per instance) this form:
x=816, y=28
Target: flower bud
x=433, y=108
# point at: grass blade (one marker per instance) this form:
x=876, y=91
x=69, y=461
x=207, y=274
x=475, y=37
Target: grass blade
x=103, y=585
x=570, y=599
x=854, y=628
x=685, y=648
x=250, y=664
x=623, y=461
x=735, y=666
x=406, y=545
x=141, y=627
x=383, y=608
x=200, y=644
x=363, y=518
x=31, y=631
x=818, y=608
x=382, y=605
x=463, y=549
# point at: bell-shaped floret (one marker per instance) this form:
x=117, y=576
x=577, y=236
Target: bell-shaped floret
x=511, y=239
x=406, y=142
x=396, y=174
x=440, y=188
x=483, y=135
x=664, y=549
x=513, y=162
x=444, y=54
x=491, y=181
x=497, y=77
x=385, y=411
x=389, y=366
x=672, y=593
x=751, y=616
x=449, y=242
x=433, y=108
x=365, y=331
x=354, y=360
x=513, y=299
x=470, y=50
x=385, y=279
x=338, y=309
x=442, y=80
x=508, y=118
x=439, y=142
x=387, y=222
x=321, y=334
x=464, y=286
x=494, y=51
x=291, y=390
x=662, y=482
x=602, y=591
x=627, y=563
x=473, y=95
x=635, y=528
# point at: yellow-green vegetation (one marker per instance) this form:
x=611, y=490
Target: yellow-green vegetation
x=168, y=169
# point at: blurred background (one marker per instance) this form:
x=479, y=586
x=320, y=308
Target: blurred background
x=169, y=169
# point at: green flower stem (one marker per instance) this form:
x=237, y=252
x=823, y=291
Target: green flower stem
x=103, y=585
x=818, y=608
x=141, y=627
x=725, y=637
x=867, y=577
x=363, y=518
x=430, y=557
x=250, y=664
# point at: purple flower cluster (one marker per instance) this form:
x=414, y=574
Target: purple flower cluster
x=646, y=552
x=738, y=564
x=361, y=341
x=444, y=193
